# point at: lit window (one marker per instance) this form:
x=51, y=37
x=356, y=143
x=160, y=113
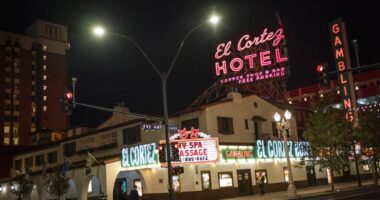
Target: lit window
x=44, y=87
x=44, y=67
x=45, y=108
x=176, y=183
x=206, y=180
x=6, y=129
x=6, y=140
x=225, y=179
x=89, y=190
x=44, y=98
x=34, y=109
x=44, y=57
x=44, y=77
x=366, y=168
x=15, y=141
x=44, y=47
x=286, y=174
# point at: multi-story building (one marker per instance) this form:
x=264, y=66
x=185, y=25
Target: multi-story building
x=32, y=80
x=238, y=141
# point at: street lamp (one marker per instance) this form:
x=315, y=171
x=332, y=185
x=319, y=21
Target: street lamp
x=99, y=31
x=283, y=124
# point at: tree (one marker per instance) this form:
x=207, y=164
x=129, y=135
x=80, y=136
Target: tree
x=327, y=132
x=58, y=185
x=368, y=134
x=22, y=186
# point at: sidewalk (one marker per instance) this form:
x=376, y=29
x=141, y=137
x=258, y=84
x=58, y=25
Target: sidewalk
x=309, y=191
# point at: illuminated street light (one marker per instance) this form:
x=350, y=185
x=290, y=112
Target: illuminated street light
x=99, y=31
x=283, y=124
x=214, y=19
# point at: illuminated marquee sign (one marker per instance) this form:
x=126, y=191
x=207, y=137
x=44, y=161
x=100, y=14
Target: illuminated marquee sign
x=194, y=147
x=139, y=155
x=241, y=153
x=276, y=149
x=259, y=57
x=342, y=62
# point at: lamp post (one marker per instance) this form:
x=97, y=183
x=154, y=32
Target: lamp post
x=283, y=124
x=99, y=31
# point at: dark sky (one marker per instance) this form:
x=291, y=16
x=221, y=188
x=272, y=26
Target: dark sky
x=112, y=70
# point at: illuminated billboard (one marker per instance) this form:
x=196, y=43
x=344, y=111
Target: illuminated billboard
x=252, y=58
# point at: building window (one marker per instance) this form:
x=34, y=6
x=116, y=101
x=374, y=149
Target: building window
x=15, y=140
x=366, y=168
x=44, y=67
x=225, y=179
x=44, y=47
x=286, y=174
x=6, y=140
x=45, y=108
x=246, y=124
x=132, y=135
x=44, y=98
x=29, y=162
x=256, y=127
x=69, y=149
x=40, y=160
x=190, y=123
x=176, y=183
x=206, y=180
x=262, y=172
x=225, y=125
x=44, y=87
x=44, y=57
x=7, y=129
x=52, y=157
x=44, y=77
x=18, y=164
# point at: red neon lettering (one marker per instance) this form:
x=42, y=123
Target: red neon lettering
x=223, y=50
x=341, y=66
x=339, y=53
x=264, y=58
x=350, y=116
x=250, y=59
x=345, y=91
x=218, y=67
x=335, y=28
x=347, y=103
x=232, y=64
x=342, y=78
x=262, y=40
x=278, y=56
x=337, y=41
x=245, y=41
x=278, y=35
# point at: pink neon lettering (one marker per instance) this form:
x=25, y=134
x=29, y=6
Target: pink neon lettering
x=262, y=40
x=342, y=79
x=246, y=45
x=335, y=28
x=278, y=56
x=278, y=35
x=250, y=59
x=337, y=41
x=347, y=103
x=264, y=58
x=218, y=67
x=349, y=116
x=339, y=53
x=341, y=66
x=232, y=64
x=223, y=50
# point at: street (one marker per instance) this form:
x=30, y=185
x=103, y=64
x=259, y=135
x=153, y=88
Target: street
x=362, y=193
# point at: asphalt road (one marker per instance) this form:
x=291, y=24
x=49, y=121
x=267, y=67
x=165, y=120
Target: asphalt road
x=366, y=193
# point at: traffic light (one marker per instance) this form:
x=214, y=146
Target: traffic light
x=162, y=153
x=178, y=170
x=323, y=76
x=67, y=102
x=174, y=152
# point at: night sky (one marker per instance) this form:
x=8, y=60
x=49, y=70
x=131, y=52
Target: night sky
x=112, y=70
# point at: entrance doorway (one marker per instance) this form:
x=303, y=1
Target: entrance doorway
x=124, y=184
x=311, y=178
x=244, y=181
x=346, y=172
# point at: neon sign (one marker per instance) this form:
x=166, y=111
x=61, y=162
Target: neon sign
x=229, y=152
x=194, y=147
x=260, y=57
x=145, y=154
x=276, y=149
x=342, y=62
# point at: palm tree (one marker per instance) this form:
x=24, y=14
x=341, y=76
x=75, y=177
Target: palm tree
x=58, y=185
x=22, y=186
